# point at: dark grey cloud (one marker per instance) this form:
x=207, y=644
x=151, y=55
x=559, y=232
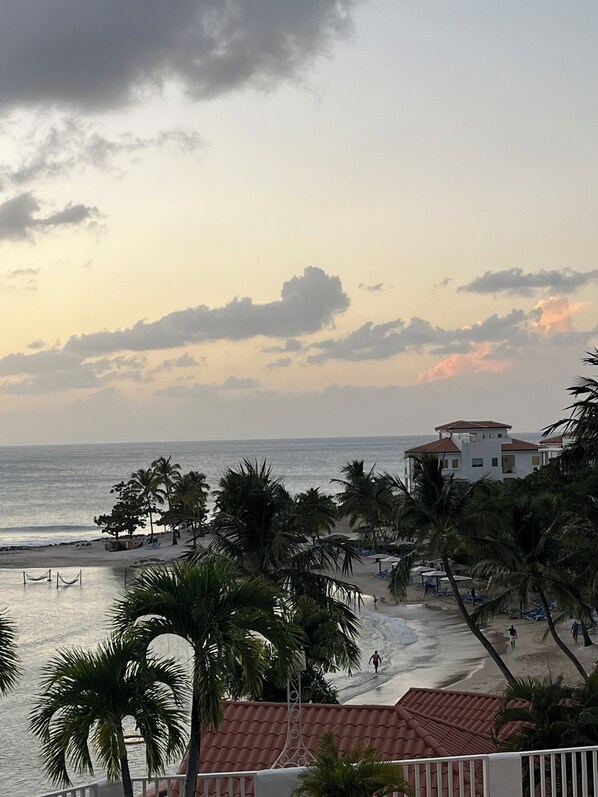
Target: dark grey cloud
x=97, y=54
x=383, y=341
x=307, y=304
x=66, y=144
x=20, y=219
x=516, y=281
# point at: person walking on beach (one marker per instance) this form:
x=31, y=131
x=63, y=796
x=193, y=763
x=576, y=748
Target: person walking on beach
x=375, y=658
x=575, y=631
x=513, y=635
x=375, y=602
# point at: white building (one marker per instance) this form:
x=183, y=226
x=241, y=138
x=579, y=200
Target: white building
x=473, y=449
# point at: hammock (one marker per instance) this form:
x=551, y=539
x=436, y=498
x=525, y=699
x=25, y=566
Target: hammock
x=47, y=576
x=65, y=583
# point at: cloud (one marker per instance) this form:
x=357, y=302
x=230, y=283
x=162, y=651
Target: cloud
x=238, y=383
x=93, y=54
x=555, y=315
x=478, y=359
x=307, y=304
x=378, y=286
x=19, y=219
x=279, y=362
x=444, y=283
x=290, y=345
x=514, y=281
x=184, y=361
x=65, y=144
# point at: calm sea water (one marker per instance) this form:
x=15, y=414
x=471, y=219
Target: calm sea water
x=50, y=494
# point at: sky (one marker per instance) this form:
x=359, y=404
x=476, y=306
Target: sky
x=226, y=219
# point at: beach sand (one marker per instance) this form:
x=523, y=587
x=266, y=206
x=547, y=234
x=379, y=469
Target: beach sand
x=535, y=655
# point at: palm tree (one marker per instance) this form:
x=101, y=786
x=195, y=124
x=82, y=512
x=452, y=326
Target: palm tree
x=9, y=660
x=534, y=554
x=441, y=512
x=167, y=474
x=86, y=696
x=366, y=498
x=146, y=483
x=582, y=423
x=266, y=532
x=189, y=497
x=356, y=773
x=219, y=615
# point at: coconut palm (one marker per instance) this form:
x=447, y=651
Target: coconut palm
x=147, y=485
x=582, y=424
x=219, y=615
x=441, y=511
x=534, y=555
x=85, y=698
x=167, y=474
x=266, y=532
x=355, y=773
x=189, y=499
x=366, y=498
x=9, y=660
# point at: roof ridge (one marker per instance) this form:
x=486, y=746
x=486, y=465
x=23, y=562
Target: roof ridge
x=437, y=690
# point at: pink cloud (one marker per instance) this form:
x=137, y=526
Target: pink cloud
x=556, y=314
x=474, y=361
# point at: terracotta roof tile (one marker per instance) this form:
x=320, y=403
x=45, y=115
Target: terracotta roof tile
x=443, y=446
x=519, y=445
x=471, y=425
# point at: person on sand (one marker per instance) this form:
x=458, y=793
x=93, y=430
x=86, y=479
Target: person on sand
x=375, y=658
x=575, y=631
x=513, y=635
x=375, y=602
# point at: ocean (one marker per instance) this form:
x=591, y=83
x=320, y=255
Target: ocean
x=51, y=494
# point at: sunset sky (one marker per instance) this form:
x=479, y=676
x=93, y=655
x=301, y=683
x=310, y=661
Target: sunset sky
x=271, y=218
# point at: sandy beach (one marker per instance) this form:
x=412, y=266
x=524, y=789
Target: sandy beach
x=535, y=655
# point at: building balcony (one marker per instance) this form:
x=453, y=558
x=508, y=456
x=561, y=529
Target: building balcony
x=550, y=773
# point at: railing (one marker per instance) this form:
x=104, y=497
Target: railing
x=571, y=772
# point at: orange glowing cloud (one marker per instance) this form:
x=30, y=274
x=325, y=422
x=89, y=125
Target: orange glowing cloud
x=556, y=314
x=474, y=361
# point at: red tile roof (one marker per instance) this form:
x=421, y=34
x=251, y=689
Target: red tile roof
x=443, y=446
x=519, y=445
x=552, y=441
x=425, y=723
x=471, y=426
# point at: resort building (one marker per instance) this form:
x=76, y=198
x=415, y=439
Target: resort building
x=473, y=449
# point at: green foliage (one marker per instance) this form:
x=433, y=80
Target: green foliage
x=9, y=659
x=128, y=513
x=266, y=532
x=366, y=498
x=355, y=773
x=221, y=616
x=85, y=698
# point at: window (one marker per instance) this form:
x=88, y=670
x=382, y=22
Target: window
x=477, y=462
x=445, y=463
x=535, y=459
x=455, y=463
x=495, y=462
x=491, y=434
x=499, y=434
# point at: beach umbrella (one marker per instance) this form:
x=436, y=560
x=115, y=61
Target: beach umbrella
x=391, y=560
x=421, y=568
x=458, y=578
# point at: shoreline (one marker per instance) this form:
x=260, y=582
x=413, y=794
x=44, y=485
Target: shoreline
x=533, y=655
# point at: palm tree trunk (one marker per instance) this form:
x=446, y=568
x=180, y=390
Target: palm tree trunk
x=149, y=509
x=125, y=772
x=553, y=632
x=586, y=637
x=193, y=750
x=488, y=646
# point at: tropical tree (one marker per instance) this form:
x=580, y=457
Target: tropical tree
x=259, y=526
x=219, y=615
x=9, y=659
x=127, y=514
x=189, y=500
x=167, y=474
x=355, y=773
x=442, y=513
x=146, y=484
x=534, y=554
x=366, y=498
x=85, y=698
x=582, y=424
